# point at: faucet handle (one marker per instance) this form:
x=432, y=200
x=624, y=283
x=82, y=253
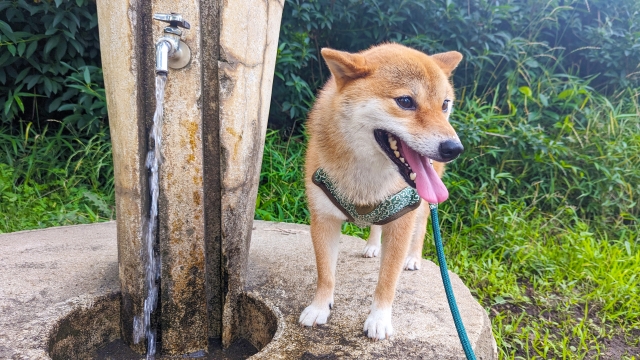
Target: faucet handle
x=174, y=20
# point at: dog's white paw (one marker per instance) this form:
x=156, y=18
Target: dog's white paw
x=412, y=263
x=315, y=315
x=378, y=324
x=371, y=251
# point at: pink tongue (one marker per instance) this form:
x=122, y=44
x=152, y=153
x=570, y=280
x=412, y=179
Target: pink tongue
x=428, y=183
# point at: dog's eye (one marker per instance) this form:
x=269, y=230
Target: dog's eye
x=406, y=102
x=445, y=105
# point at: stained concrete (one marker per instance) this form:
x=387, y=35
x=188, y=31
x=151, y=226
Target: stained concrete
x=50, y=277
x=47, y=274
x=126, y=43
x=248, y=46
x=215, y=118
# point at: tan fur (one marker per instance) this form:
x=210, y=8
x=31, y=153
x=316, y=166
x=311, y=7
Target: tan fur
x=359, y=97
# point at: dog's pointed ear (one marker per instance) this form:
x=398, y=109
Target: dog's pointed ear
x=447, y=61
x=345, y=66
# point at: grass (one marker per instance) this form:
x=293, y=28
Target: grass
x=52, y=177
x=558, y=280
x=542, y=224
x=558, y=275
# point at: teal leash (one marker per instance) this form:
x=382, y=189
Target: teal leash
x=437, y=238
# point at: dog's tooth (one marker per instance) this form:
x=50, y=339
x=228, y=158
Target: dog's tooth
x=393, y=145
x=396, y=153
x=412, y=176
x=402, y=159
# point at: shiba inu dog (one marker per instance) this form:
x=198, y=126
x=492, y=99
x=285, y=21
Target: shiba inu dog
x=379, y=125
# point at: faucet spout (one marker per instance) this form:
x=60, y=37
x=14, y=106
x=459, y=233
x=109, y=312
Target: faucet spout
x=162, y=57
x=171, y=52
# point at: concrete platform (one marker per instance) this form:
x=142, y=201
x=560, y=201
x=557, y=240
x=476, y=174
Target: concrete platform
x=47, y=274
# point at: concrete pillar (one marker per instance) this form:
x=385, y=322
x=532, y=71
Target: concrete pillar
x=214, y=126
x=248, y=43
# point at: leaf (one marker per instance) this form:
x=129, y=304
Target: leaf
x=525, y=90
x=532, y=63
x=55, y=104
x=76, y=45
x=19, y=102
x=33, y=80
x=565, y=94
x=7, y=104
x=21, y=47
x=61, y=50
x=66, y=65
x=543, y=99
x=7, y=31
x=31, y=49
x=87, y=76
x=51, y=43
x=75, y=19
x=12, y=49
x=58, y=18
x=67, y=107
x=4, y=57
x=22, y=74
x=48, y=86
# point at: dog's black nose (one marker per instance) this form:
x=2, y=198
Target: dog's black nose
x=450, y=149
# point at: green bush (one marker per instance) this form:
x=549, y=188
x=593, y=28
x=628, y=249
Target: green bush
x=505, y=44
x=55, y=153
x=542, y=222
x=50, y=64
x=530, y=109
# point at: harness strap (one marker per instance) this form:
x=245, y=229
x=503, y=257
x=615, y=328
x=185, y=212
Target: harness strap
x=389, y=209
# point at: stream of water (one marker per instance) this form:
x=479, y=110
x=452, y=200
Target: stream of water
x=142, y=327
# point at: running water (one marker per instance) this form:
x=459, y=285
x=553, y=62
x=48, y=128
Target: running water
x=154, y=158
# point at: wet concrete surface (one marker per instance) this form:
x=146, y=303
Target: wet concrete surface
x=239, y=350
x=49, y=275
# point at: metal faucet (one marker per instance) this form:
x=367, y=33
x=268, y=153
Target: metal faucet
x=171, y=52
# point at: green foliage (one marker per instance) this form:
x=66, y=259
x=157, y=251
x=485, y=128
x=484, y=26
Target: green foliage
x=504, y=43
x=281, y=192
x=49, y=63
x=555, y=285
x=55, y=153
x=54, y=177
x=530, y=85
x=569, y=148
x=542, y=223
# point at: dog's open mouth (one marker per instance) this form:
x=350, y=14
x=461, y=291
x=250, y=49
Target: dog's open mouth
x=416, y=169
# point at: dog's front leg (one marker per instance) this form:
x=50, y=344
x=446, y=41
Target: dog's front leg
x=397, y=238
x=372, y=249
x=325, y=234
x=414, y=257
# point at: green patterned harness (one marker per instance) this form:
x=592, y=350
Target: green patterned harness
x=388, y=210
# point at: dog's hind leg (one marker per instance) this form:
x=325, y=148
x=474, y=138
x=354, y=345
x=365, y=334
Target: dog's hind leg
x=325, y=234
x=397, y=239
x=372, y=249
x=414, y=257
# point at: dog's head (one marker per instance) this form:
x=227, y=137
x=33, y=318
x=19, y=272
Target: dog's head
x=401, y=99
